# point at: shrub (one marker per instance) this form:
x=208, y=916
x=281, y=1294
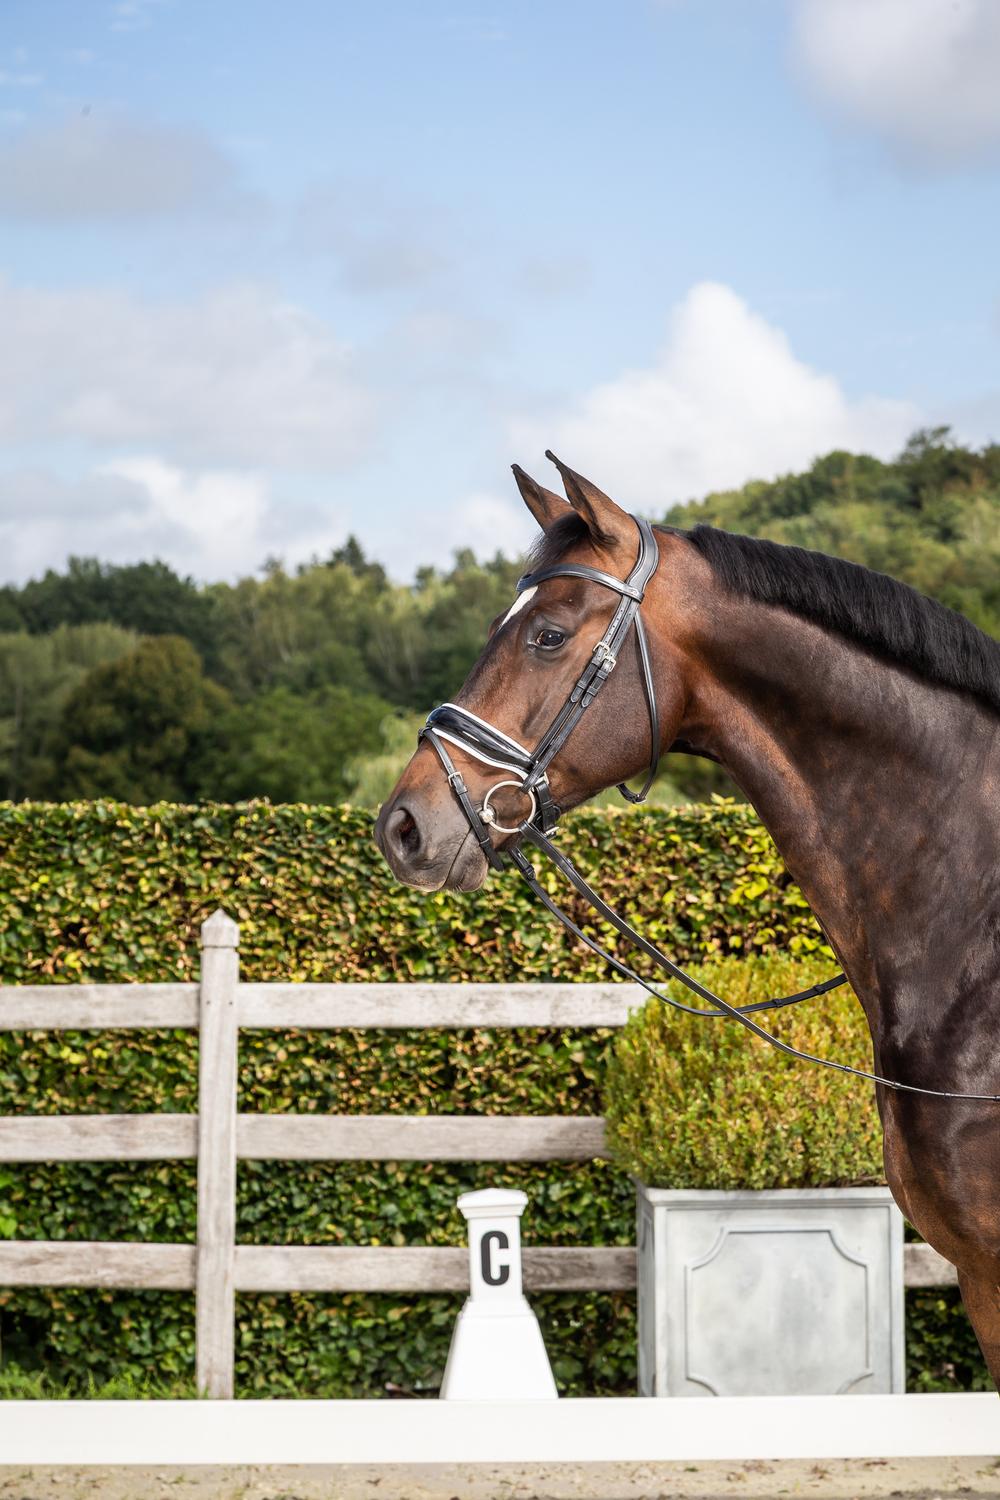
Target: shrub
x=702, y=1103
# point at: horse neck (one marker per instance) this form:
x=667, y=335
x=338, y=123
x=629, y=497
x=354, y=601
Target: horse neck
x=880, y=790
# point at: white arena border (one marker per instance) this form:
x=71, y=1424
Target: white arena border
x=572, y=1430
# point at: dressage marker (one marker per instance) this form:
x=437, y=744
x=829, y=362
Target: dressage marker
x=496, y=1350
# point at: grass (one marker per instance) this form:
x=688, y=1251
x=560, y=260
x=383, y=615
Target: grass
x=36, y=1385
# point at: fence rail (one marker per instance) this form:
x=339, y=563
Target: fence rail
x=318, y=1007
x=350, y=1268
x=215, y=1268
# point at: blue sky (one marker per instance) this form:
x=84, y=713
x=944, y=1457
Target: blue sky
x=272, y=273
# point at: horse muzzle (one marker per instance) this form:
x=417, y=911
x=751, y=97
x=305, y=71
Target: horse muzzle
x=427, y=842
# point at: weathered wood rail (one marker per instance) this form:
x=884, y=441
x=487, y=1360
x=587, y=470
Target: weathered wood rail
x=215, y=1268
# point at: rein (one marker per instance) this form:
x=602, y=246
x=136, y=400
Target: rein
x=529, y=774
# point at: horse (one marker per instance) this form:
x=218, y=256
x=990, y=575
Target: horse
x=862, y=722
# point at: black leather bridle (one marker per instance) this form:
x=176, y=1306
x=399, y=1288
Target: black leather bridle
x=529, y=774
x=530, y=767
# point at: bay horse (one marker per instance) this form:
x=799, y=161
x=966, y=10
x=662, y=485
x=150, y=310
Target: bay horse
x=860, y=719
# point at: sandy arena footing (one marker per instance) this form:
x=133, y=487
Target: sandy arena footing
x=855, y=1479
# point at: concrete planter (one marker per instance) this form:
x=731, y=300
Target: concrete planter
x=784, y=1292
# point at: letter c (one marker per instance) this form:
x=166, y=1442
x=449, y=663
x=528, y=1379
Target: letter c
x=493, y=1274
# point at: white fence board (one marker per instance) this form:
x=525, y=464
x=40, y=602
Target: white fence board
x=423, y=1268
x=82, y=1007
x=97, y=1137
x=447, y=1005
x=420, y=1137
x=305, y=1268
x=274, y=1006
x=923, y=1266
x=96, y=1263
x=572, y=1430
x=348, y=1268
x=307, y=1137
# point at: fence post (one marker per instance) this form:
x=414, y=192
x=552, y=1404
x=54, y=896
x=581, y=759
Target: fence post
x=217, y=1057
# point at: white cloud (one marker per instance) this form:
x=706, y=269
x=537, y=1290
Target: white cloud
x=488, y=523
x=924, y=74
x=215, y=515
x=726, y=401
x=209, y=523
x=95, y=167
x=239, y=378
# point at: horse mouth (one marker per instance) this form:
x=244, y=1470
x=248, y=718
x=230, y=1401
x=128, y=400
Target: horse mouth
x=469, y=868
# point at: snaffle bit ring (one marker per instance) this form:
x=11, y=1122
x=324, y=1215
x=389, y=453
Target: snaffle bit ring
x=489, y=817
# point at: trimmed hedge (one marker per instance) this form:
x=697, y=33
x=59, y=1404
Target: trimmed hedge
x=694, y=1102
x=102, y=892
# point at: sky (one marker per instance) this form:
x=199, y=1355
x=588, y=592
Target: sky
x=275, y=273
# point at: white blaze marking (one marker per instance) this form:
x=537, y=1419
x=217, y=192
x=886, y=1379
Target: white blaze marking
x=519, y=603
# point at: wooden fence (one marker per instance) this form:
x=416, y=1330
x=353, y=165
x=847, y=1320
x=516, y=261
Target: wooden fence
x=215, y=1268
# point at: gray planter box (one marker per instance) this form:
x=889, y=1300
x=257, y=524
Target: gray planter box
x=785, y=1292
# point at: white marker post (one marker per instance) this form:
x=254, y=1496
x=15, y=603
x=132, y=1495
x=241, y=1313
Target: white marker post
x=497, y=1352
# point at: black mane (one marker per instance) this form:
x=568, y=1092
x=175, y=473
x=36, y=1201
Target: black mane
x=884, y=616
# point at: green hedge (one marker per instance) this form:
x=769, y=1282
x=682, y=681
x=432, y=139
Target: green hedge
x=694, y=1102
x=103, y=892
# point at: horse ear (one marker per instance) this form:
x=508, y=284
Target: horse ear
x=545, y=505
x=606, y=520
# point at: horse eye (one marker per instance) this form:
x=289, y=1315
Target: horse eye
x=549, y=639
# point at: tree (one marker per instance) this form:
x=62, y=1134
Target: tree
x=295, y=747
x=37, y=675
x=142, y=728
x=147, y=597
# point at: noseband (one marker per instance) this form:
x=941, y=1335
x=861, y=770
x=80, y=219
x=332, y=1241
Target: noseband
x=529, y=774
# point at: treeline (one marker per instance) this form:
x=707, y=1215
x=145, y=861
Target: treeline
x=308, y=685
x=133, y=683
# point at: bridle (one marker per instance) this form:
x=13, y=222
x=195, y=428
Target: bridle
x=529, y=774
x=530, y=767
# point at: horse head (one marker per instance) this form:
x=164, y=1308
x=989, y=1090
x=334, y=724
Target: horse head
x=536, y=655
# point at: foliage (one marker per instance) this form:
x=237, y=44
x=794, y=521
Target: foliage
x=140, y=724
x=105, y=892
x=941, y=1349
x=38, y=1385
x=286, y=745
x=698, y=1103
x=140, y=598
x=372, y=775
x=38, y=673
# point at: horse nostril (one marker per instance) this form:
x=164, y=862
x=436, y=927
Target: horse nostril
x=404, y=833
x=409, y=837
